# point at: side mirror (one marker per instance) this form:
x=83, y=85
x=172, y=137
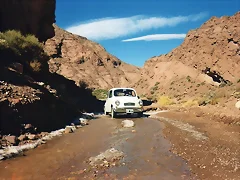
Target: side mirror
x=138, y=97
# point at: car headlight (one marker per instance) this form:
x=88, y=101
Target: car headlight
x=117, y=103
x=140, y=103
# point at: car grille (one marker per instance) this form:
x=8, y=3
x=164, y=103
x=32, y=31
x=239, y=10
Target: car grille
x=129, y=104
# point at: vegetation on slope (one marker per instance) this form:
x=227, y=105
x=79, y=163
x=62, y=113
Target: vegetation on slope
x=30, y=94
x=24, y=49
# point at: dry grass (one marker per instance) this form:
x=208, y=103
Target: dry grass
x=236, y=95
x=208, y=100
x=222, y=93
x=214, y=97
x=190, y=103
x=165, y=101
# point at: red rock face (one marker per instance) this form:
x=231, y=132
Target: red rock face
x=30, y=17
x=78, y=58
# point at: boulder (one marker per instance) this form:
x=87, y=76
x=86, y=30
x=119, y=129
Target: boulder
x=68, y=130
x=31, y=136
x=88, y=115
x=83, y=122
x=43, y=134
x=237, y=105
x=127, y=123
x=11, y=139
x=40, y=83
x=17, y=67
x=22, y=137
x=105, y=158
x=28, y=126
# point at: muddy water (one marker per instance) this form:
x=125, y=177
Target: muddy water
x=146, y=154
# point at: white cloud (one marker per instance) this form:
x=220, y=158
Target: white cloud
x=157, y=37
x=111, y=28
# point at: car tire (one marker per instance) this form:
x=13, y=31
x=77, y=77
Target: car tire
x=140, y=114
x=105, y=112
x=113, y=114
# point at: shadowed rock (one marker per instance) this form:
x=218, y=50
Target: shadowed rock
x=28, y=16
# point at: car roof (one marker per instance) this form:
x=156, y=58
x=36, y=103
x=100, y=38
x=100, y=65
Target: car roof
x=121, y=88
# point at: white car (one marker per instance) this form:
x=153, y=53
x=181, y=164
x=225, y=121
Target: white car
x=123, y=101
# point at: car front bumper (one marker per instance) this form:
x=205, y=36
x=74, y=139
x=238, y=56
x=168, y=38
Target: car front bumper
x=124, y=109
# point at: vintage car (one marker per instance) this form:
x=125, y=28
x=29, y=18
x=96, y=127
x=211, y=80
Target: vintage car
x=123, y=101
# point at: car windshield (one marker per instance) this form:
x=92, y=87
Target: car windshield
x=124, y=92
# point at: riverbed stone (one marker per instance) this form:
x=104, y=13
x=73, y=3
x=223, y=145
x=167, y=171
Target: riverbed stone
x=127, y=123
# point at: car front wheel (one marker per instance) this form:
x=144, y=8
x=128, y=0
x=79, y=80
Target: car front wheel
x=140, y=114
x=105, y=112
x=113, y=114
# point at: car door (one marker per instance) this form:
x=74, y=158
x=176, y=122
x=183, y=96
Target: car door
x=109, y=101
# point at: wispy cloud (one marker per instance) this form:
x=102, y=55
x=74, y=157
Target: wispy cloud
x=111, y=28
x=156, y=37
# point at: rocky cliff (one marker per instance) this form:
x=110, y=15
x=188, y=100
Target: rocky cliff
x=29, y=16
x=80, y=59
x=216, y=44
x=209, y=57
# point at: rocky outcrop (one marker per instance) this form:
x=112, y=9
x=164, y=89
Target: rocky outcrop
x=30, y=17
x=80, y=59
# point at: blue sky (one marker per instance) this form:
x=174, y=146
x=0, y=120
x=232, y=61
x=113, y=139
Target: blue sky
x=135, y=30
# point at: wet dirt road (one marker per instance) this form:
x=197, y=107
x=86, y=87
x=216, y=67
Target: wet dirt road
x=146, y=154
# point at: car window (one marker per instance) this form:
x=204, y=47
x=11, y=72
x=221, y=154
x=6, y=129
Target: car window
x=124, y=92
x=110, y=94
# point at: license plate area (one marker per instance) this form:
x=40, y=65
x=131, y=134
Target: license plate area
x=129, y=111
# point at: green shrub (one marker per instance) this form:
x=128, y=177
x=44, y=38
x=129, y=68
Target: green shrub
x=142, y=95
x=203, y=83
x=20, y=44
x=152, y=98
x=188, y=78
x=211, y=98
x=154, y=88
x=25, y=49
x=100, y=93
